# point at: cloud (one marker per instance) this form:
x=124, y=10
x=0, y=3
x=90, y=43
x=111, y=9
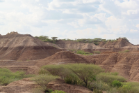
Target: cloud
x=110, y=7
x=57, y=15
x=133, y=30
x=1, y=0
x=116, y=25
x=87, y=9
x=137, y=25
x=71, y=18
x=66, y=0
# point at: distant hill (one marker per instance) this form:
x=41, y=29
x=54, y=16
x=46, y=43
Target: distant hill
x=119, y=43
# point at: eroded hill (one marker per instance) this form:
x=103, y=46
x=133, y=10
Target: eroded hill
x=14, y=46
x=126, y=64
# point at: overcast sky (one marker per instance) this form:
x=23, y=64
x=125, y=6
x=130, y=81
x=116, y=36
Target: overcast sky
x=72, y=19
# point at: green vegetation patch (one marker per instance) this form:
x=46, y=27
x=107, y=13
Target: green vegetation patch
x=110, y=77
x=43, y=80
x=96, y=52
x=83, y=53
x=47, y=39
x=90, y=76
x=6, y=76
x=96, y=41
x=58, y=91
x=78, y=74
x=125, y=51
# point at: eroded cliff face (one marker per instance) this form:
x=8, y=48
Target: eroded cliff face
x=126, y=64
x=76, y=45
x=14, y=46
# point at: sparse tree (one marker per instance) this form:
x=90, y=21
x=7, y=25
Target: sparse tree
x=54, y=39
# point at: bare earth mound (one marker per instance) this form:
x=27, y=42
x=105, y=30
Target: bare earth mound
x=62, y=57
x=14, y=46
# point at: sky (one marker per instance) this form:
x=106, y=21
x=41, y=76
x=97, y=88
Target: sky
x=72, y=19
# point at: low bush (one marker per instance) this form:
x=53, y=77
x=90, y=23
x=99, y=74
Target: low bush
x=83, y=53
x=116, y=83
x=113, y=90
x=6, y=76
x=126, y=51
x=97, y=91
x=109, y=78
x=96, y=52
x=129, y=87
x=43, y=80
x=99, y=85
x=58, y=91
x=62, y=71
x=125, y=89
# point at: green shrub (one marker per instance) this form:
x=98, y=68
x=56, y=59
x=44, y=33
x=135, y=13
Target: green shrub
x=114, y=73
x=43, y=80
x=97, y=91
x=129, y=87
x=58, y=91
x=113, y=90
x=96, y=52
x=6, y=76
x=75, y=73
x=99, y=85
x=86, y=72
x=126, y=51
x=125, y=89
x=83, y=53
x=109, y=78
x=116, y=83
x=65, y=73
